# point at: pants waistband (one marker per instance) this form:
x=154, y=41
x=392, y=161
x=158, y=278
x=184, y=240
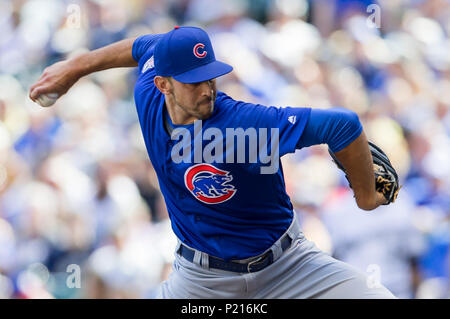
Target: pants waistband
x=252, y=264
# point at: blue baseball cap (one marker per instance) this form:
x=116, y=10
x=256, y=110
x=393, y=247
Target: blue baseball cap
x=186, y=54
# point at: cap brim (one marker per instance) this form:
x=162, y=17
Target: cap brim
x=204, y=73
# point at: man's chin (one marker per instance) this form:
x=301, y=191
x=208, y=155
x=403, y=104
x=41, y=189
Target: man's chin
x=206, y=114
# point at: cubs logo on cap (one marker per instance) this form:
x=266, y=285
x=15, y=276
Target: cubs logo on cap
x=209, y=184
x=187, y=55
x=196, y=52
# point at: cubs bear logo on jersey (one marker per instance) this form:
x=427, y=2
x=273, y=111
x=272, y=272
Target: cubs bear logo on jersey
x=209, y=184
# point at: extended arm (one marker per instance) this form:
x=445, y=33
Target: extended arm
x=59, y=77
x=357, y=161
x=342, y=131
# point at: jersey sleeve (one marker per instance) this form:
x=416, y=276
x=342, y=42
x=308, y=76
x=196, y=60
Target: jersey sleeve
x=142, y=44
x=337, y=127
x=289, y=122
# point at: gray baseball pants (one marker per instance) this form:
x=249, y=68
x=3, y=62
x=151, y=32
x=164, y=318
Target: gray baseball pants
x=301, y=271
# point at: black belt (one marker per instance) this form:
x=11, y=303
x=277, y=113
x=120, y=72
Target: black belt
x=257, y=264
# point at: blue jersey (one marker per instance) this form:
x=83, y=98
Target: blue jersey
x=227, y=209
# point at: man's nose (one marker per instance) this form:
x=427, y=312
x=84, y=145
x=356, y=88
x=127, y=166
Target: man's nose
x=207, y=87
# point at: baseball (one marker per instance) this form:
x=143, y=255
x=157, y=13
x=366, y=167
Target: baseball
x=47, y=100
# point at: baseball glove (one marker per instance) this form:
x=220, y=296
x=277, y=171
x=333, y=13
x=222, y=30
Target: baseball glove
x=386, y=178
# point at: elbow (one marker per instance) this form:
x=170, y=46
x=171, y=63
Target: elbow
x=352, y=123
x=350, y=128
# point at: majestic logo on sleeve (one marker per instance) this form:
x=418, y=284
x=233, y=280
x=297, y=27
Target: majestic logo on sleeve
x=292, y=119
x=149, y=64
x=199, y=50
x=209, y=184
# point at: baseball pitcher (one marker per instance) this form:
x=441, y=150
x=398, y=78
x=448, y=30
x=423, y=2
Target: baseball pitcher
x=219, y=170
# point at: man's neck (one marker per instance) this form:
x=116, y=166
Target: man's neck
x=177, y=115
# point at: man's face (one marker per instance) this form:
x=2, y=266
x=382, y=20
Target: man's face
x=196, y=99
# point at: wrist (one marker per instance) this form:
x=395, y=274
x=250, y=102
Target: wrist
x=371, y=202
x=380, y=199
x=79, y=66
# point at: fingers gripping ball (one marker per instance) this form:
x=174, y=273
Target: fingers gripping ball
x=47, y=100
x=386, y=178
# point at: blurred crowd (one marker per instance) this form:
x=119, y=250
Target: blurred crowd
x=76, y=185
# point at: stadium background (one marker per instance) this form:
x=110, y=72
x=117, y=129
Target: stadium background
x=77, y=189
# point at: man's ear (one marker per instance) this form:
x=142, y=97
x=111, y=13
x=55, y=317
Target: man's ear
x=163, y=84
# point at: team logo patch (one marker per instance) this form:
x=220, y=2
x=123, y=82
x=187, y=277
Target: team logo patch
x=209, y=184
x=199, y=50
